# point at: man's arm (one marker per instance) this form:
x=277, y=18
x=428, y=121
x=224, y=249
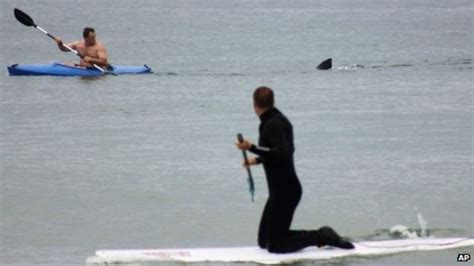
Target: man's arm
x=62, y=47
x=245, y=145
x=279, y=148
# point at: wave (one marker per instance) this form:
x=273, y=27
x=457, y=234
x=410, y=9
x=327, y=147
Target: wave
x=461, y=62
x=198, y=74
x=404, y=232
x=452, y=62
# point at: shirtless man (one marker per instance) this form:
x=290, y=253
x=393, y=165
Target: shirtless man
x=93, y=51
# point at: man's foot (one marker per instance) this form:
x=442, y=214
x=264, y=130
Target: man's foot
x=331, y=238
x=344, y=243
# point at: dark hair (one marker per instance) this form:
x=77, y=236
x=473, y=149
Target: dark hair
x=86, y=32
x=263, y=97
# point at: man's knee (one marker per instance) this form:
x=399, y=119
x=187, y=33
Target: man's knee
x=277, y=247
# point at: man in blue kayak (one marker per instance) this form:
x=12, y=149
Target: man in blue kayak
x=275, y=151
x=93, y=51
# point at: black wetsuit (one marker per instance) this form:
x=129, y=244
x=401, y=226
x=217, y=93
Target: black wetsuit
x=275, y=150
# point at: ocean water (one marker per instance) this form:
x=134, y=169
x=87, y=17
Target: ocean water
x=148, y=161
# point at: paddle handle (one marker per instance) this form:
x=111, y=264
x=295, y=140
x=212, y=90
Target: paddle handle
x=240, y=138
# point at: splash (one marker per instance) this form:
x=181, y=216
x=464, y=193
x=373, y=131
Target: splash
x=423, y=225
x=402, y=231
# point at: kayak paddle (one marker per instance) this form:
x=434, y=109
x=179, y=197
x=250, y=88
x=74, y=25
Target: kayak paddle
x=250, y=178
x=26, y=20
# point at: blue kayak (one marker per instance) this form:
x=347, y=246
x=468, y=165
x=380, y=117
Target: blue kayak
x=57, y=69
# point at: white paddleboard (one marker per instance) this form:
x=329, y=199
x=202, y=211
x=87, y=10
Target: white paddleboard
x=257, y=255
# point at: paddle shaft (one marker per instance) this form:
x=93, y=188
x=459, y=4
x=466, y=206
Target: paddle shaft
x=249, y=173
x=63, y=44
x=244, y=154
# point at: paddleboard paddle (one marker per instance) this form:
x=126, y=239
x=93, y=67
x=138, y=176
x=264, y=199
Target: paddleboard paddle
x=26, y=20
x=240, y=138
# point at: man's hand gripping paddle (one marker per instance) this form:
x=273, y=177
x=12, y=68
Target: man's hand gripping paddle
x=240, y=138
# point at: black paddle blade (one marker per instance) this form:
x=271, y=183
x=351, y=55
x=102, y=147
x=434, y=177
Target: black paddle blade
x=325, y=65
x=23, y=18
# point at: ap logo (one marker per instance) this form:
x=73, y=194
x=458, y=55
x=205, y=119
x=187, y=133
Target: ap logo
x=464, y=257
